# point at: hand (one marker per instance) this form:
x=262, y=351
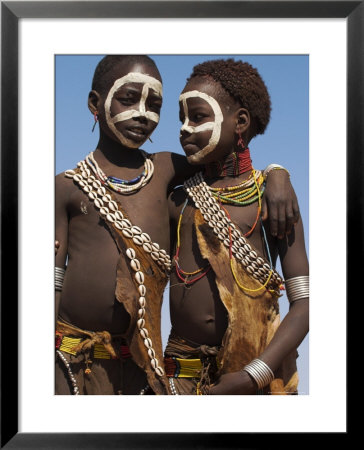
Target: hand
x=279, y=203
x=235, y=383
x=56, y=246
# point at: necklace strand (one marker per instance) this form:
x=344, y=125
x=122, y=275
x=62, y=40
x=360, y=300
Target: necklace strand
x=119, y=185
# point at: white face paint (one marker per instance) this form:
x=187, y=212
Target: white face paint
x=148, y=83
x=214, y=126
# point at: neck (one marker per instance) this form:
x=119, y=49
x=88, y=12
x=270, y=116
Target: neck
x=235, y=164
x=112, y=152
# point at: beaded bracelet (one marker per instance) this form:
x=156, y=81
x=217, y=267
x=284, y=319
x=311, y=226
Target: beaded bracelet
x=297, y=288
x=273, y=167
x=260, y=371
x=59, y=277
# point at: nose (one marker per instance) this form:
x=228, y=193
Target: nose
x=141, y=119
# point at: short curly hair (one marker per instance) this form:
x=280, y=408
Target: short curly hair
x=100, y=81
x=243, y=82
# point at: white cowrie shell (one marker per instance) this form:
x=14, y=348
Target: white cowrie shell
x=118, y=225
x=126, y=223
x=96, y=184
x=137, y=239
x=139, y=276
x=82, y=183
x=227, y=242
x=154, y=363
x=142, y=290
x=151, y=353
x=142, y=301
x=90, y=180
x=143, y=333
x=84, y=174
x=148, y=343
x=101, y=190
x=130, y=252
x=104, y=211
x=136, y=230
x=110, y=217
x=163, y=252
x=92, y=195
x=155, y=256
x=119, y=215
x=106, y=198
x=155, y=246
x=135, y=264
x=159, y=371
x=127, y=233
x=86, y=188
x=141, y=323
x=69, y=173
x=145, y=237
x=141, y=313
x=113, y=205
x=99, y=203
x=147, y=247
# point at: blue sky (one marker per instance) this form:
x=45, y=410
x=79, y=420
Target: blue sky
x=285, y=141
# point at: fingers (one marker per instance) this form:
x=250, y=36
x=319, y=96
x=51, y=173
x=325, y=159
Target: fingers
x=296, y=211
x=281, y=223
x=290, y=219
x=264, y=211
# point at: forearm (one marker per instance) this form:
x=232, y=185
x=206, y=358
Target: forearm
x=289, y=335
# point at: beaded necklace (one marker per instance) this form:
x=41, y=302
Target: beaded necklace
x=243, y=194
x=235, y=164
x=117, y=184
x=226, y=230
x=183, y=275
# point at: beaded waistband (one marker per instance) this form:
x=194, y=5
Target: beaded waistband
x=183, y=368
x=68, y=344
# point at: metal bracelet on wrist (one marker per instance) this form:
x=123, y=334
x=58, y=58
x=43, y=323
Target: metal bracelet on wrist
x=260, y=371
x=59, y=277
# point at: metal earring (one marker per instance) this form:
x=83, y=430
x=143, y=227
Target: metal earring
x=96, y=117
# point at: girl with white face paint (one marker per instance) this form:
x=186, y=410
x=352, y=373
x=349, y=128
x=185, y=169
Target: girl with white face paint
x=224, y=301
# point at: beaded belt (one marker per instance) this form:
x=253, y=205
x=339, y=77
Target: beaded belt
x=67, y=344
x=183, y=368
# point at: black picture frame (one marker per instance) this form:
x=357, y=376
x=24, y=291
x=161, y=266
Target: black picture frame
x=11, y=12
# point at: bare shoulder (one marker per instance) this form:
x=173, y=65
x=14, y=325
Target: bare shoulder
x=175, y=201
x=64, y=186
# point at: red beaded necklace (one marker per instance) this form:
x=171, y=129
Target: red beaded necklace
x=235, y=164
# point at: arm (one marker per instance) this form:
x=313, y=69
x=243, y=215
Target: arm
x=293, y=328
x=279, y=203
x=61, y=232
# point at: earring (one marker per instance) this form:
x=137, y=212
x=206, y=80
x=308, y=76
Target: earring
x=241, y=142
x=96, y=117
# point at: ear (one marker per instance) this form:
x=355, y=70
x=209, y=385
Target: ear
x=242, y=121
x=94, y=101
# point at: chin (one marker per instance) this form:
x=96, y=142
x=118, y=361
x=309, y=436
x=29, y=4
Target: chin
x=200, y=158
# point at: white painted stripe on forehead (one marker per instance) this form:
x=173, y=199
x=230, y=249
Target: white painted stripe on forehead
x=137, y=77
x=214, y=126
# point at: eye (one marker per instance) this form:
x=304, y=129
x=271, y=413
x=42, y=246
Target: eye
x=199, y=117
x=155, y=106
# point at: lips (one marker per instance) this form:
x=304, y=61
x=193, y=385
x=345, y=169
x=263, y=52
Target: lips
x=139, y=131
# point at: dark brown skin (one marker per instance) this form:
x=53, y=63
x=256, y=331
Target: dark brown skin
x=88, y=299
x=197, y=313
